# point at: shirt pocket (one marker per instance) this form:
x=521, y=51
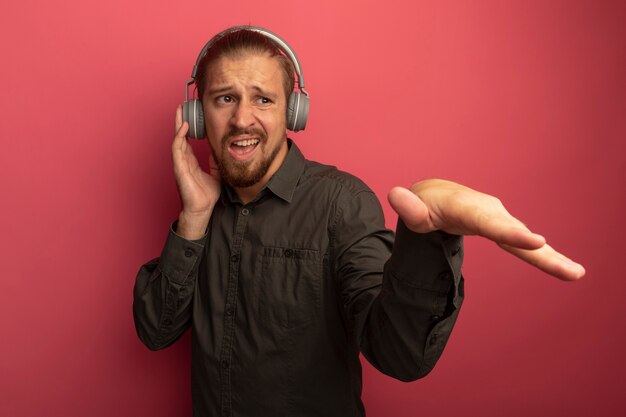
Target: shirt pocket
x=289, y=286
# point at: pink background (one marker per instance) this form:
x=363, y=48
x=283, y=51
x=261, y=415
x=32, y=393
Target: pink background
x=522, y=99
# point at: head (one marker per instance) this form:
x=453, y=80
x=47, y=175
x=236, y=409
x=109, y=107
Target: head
x=244, y=83
x=242, y=42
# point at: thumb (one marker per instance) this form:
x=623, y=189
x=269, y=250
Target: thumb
x=411, y=210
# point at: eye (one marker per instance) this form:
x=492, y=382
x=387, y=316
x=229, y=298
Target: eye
x=263, y=100
x=224, y=99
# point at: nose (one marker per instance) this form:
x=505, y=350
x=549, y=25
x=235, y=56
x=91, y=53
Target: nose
x=243, y=115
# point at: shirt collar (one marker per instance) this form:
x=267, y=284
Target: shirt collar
x=283, y=182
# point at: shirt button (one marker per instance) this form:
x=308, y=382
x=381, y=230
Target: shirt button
x=435, y=318
x=288, y=253
x=245, y=212
x=229, y=310
x=188, y=253
x=234, y=258
x=224, y=364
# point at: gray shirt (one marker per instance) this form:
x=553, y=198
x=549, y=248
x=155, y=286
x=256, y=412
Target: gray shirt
x=284, y=292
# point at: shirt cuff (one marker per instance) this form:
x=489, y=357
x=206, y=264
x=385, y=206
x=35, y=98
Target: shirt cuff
x=437, y=256
x=180, y=255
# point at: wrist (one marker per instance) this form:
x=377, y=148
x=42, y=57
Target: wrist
x=192, y=226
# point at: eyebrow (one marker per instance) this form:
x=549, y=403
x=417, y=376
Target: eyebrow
x=263, y=92
x=219, y=90
x=227, y=88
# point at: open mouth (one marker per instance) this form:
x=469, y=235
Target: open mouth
x=243, y=149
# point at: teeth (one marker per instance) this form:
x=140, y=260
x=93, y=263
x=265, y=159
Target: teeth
x=247, y=142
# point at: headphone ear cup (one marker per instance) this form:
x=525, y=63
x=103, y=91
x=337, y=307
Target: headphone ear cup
x=297, y=111
x=194, y=115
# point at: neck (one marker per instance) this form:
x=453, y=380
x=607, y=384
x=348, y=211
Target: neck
x=248, y=194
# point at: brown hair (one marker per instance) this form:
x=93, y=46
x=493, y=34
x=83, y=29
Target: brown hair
x=238, y=43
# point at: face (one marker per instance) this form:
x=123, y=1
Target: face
x=245, y=118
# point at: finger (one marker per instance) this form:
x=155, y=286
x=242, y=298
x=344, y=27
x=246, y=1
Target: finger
x=505, y=229
x=182, y=153
x=213, y=169
x=549, y=261
x=178, y=120
x=411, y=210
x=180, y=144
x=182, y=131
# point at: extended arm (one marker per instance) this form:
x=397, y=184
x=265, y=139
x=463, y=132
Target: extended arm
x=403, y=318
x=443, y=205
x=400, y=308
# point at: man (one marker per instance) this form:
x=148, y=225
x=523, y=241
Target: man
x=283, y=268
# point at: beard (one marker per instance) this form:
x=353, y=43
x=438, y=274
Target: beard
x=242, y=174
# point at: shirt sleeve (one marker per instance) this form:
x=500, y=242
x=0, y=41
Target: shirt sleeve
x=401, y=306
x=164, y=290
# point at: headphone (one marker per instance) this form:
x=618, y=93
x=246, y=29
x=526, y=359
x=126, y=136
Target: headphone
x=297, y=105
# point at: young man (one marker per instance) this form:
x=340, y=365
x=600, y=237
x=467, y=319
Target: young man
x=283, y=268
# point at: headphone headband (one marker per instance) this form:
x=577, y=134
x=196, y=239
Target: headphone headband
x=280, y=43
